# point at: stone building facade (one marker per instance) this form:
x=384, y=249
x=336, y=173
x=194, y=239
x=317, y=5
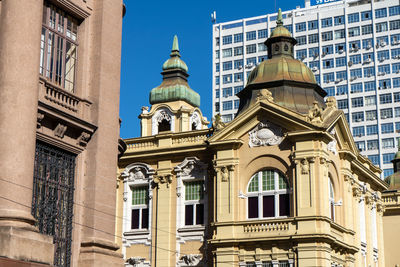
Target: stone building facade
x=283, y=184
x=59, y=131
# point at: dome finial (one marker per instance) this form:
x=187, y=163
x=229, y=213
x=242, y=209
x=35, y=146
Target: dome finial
x=279, y=21
x=175, y=44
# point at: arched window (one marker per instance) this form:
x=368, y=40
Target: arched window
x=268, y=195
x=164, y=126
x=331, y=200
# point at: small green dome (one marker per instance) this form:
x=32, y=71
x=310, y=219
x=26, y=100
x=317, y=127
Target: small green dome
x=280, y=31
x=174, y=86
x=175, y=61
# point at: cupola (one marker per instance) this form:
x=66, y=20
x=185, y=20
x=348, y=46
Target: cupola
x=291, y=83
x=174, y=86
x=394, y=179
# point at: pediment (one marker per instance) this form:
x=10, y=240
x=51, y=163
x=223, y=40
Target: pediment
x=264, y=115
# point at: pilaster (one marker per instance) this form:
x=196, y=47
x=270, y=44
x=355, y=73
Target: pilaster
x=20, y=24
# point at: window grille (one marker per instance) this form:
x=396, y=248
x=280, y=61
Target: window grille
x=52, y=200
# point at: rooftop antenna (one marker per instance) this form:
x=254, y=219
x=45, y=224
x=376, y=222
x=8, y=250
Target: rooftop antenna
x=214, y=17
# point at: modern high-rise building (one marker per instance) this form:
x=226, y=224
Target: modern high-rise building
x=353, y=48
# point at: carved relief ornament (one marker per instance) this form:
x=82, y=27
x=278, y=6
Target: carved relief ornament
x=265, y=134
x=191, y=259
x=163, y=179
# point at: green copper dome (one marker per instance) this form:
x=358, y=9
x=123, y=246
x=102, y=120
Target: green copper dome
x=175, y=62
x=174, y=86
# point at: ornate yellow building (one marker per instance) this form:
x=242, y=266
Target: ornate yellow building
x=283, y=184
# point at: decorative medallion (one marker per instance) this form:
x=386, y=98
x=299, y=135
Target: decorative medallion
x=265, y=134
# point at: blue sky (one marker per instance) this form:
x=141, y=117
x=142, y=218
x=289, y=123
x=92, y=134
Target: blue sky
x=148, y=30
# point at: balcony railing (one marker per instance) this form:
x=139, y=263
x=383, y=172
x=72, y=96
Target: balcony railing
x=58, y=96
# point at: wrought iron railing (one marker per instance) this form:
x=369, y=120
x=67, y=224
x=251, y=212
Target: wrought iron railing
x=52, y=201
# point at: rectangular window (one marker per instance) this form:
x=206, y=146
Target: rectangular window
x=395, y=38
x=387, y=158
x=313, y=52
x=356, y=88
x=227, y=52
x=217, y=41
x=360, y=145
x=372, y=129
x=369, y=72
x=216, y=107
x=227, y=105
x=262, y=33
x=53, y=197
x=216, y=80
x=262, y=47
x=354, y=17
x=381, y=27
x=237, y=89
x=58, y=49
x=355, y=59
x=301, y=40
x=314, y=65
x=358, y=116
x=369, y=86
x=327, y=36
x=384, y=84
x=217, y=54
x=238, y=64
x=251, y=61
x=339, y=20
x=217, y=67
x=340, y=48
x=354, y=31
x=397, y=112
x=343, y=104
x=357, y=102
x=366, y=15
x=226, y=39
x=372, y=144
x=238, y=77
x=396, y=97
x=227, y=65
x=385, y=98
x=394, y=25
x=238, y=51
x=251, y=35
x=328, y=64
x=358, y=131
x=367, y=43
x=388, y=172
x=227, y=92
x=251, y=49
x=368, y=58
x=395, y=53
x=194, y=207
x=313, y=38
x=370, y=100
x=380, y=13
x=355, y=74
x=327, y=50
x=329, y=77
x=387, y=128
x=236, y=104
x=227, y=78
x=370, y=115
x=330, y=90
x=354, y=46
x=262, y=58
x=217, y=93
x=301, y=27
x=340, y=34
x=388, y=142
x=341, y=76
x=374, y=159
x=313, y=25
x=238, y=37
x=140, y=210
x=386, y=113
x=327, y=22
x=342, y=90
x=301, y=54
x=366, y=29
x=394, y=10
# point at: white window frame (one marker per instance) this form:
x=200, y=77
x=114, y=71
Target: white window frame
x=136, y=175
x=191, y=169
x=331, y=199
x=260, y=193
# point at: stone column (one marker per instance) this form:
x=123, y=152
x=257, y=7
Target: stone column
x=20, y=28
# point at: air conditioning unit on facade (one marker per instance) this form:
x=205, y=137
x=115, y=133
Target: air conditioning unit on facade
x=350, y=63
x=240, y=67
x=367, y=61
x=314, y=69
x=323, y=54
x=383, y=44
x=381, y=73
x=341, y=51
x=369, y=47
